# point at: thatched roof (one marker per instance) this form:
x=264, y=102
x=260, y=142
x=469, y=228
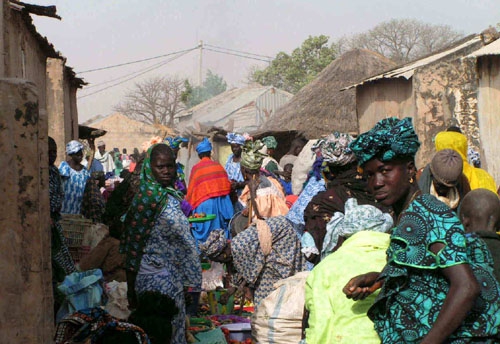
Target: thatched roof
x=321, y=107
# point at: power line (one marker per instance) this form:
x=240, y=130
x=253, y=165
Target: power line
x=146, y=71
x=137, y=61
x=237, y=51
x=239, y=55
x=123, y=76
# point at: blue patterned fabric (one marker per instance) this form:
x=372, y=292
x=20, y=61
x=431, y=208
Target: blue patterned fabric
x=233, y=169
x=73, y=147
x=262, y=271
x=235, y=138
x=312, y=188
x=74, y=186
x=414, y=289
x=170, y=262
x=222, y=207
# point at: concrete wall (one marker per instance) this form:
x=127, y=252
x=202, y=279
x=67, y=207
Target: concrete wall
x=488, y=113
x=26, y=311
x=445, y=93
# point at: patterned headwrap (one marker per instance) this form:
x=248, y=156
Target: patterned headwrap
x=251, y=157
x=147, y=204
x=357, y=218
x=235, y=138
x=270, y=142
x=73, y=147
x=215, y=243
x=204, y=146
x=175, y=142
x=335, y=149
x=388, y=139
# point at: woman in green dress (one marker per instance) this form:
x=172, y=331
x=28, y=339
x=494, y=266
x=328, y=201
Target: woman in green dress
x=437, y=285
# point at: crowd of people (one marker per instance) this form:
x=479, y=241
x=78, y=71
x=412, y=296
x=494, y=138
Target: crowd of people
x=394, y=253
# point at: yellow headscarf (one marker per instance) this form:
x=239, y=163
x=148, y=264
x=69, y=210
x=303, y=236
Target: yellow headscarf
x=478, y=178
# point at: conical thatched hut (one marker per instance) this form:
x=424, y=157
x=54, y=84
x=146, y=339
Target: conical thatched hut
x=321, y=107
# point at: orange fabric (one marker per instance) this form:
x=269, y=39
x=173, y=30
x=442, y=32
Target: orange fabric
x=270, y=200
x=208, y=179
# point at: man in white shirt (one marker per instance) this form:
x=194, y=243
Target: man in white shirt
x=105, y=158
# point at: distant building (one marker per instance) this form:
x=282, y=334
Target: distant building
x=239, y=109
x=123, y=132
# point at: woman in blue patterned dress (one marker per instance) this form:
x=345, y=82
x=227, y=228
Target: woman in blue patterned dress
x=74, y=176
x=158, y=242
x=430, y=291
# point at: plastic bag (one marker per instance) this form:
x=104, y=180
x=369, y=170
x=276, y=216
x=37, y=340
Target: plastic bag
x=117, y=304
x=81, y=290
x=278, y=319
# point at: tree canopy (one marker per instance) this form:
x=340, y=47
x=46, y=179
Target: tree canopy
x=212, y=86
x=402, y=40
x=154, y=101
x=292, y=72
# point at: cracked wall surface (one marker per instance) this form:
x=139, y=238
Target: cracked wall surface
x=26, y=306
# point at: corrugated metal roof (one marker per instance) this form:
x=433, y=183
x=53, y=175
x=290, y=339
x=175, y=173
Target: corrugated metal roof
x=490, y=49
x=406, y=71
x=218, y=110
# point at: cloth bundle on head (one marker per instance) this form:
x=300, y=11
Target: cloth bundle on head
x=97, y=175
x=235, y=138
x=101, y=143
x=356, y=218
x=251, y=157
x=215, y=243
x=446, y=167
x=175, y=142
x=204, y=146
x=270, y=142
x=73, y=147
x=388, y=139
x=334, y=149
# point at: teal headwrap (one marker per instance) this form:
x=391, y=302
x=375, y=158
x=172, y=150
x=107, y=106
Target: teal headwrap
x=270, y=142
x=389, y=139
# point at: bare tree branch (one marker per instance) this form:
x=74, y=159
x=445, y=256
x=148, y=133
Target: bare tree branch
x=154, y=101
x=402, y=40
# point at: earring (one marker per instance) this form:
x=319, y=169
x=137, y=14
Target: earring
x=411, y=180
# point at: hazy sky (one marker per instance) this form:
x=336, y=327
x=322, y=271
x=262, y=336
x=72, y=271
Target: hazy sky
x=94, y=34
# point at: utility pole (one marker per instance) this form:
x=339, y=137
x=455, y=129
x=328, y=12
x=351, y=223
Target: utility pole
x=200, y=77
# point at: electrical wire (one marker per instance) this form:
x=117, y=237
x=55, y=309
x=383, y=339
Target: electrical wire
x=227, y=53
x=237, y=51
x=137, y=61
x=144, y=72
x=123, y=76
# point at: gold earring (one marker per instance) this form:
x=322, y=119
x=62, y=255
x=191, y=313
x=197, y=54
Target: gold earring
x=411, y=180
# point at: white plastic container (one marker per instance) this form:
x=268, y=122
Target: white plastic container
x=239, y=331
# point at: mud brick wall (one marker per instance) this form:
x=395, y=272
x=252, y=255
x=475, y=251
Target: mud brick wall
x=26, y=314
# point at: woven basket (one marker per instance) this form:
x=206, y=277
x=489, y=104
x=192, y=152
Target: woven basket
x=74, y=227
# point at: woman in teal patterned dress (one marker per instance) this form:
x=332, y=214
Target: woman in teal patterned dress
x=161, y=255
x=438, y=285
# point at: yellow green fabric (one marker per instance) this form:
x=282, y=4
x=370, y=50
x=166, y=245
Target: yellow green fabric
x=478, y=178
x=333, y=317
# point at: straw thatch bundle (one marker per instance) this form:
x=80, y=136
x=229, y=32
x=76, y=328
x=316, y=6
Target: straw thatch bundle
x=321, y=107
